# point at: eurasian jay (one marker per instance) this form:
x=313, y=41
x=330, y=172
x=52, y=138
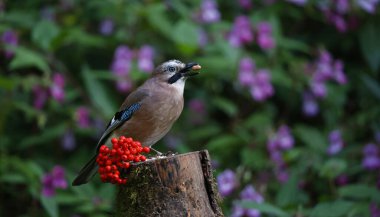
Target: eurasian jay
x=148, y=113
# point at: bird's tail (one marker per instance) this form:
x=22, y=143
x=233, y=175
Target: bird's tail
x=86, y=173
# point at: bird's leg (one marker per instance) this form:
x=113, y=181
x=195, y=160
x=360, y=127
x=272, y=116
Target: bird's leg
x=158, y=153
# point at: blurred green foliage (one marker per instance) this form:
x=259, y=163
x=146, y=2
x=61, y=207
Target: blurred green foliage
x=63, y=36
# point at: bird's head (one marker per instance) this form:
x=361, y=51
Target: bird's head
x=174, y=71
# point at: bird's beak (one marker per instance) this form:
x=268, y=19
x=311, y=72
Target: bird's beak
x=190, y=69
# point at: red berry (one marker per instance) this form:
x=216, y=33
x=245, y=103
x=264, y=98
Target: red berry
x=126, y=165
x=146, y=149
x=115, y=145
x=102, y=149
x=124, y=157
x=104, y=158
x=120, y=151
x=133, y=151
x=117, y=159
x=119, y=155
x=113, y=152
x=108, y=168
x=131, y=157
x=114, y=140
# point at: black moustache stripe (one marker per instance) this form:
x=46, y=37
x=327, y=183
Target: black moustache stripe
x=174, y=78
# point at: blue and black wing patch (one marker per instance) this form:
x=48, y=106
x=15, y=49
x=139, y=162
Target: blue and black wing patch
x=124, y=115
x=117, y=120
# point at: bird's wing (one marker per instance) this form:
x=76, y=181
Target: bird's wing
x=117, y=120
x=131, y=105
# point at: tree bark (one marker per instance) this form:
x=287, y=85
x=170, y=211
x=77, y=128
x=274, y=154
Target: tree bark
x=178, y=185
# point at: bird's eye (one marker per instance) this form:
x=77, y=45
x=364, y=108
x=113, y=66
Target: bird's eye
x=171, y=69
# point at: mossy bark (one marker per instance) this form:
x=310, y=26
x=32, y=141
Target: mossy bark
x=178, y=185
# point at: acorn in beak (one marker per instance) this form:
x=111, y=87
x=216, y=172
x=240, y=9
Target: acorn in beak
x=190, y=69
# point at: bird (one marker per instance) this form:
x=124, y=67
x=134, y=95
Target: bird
x=148, y=113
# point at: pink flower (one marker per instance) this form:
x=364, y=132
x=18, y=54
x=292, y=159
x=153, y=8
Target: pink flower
x=145, y=59
x=265, y=36
x=53, y=180
x=57, y=87
x=227, y=182
x=9, y=37
x=40, y=96
x=258, y=81
x=209, y=11
x=82, y=116
x=241, y=32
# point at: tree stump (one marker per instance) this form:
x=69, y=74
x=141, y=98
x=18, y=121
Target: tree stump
x=177, y=185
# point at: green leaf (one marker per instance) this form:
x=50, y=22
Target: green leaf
x=290, y=193
x=254, y=159
x=27, y=58
x=68, y=198
x=282, y=78
x=21, y=18
x=186, y=37
x=369, y=44
x=44, y=33
x=35, y=168
x=156, y=14
x=12, y=178
x=225, y=105
x=264, y=208
x=332, y=209
x=372, y=85
x=223, y=142
x=359, y=209
x=107, y=192
x=292, y=44
x=50, y=205
x=204, y=132
x=311, y=137
x=332, y=168
x=80, y=37
x=212, y=65
x=97, y=93
x=260, y=121
x=358, y=191
x=45, y=136
x=7, y=83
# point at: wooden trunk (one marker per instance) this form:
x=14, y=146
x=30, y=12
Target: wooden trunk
x=178, y=185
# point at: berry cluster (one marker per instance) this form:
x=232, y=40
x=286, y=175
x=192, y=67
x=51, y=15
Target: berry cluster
x=112, y=160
